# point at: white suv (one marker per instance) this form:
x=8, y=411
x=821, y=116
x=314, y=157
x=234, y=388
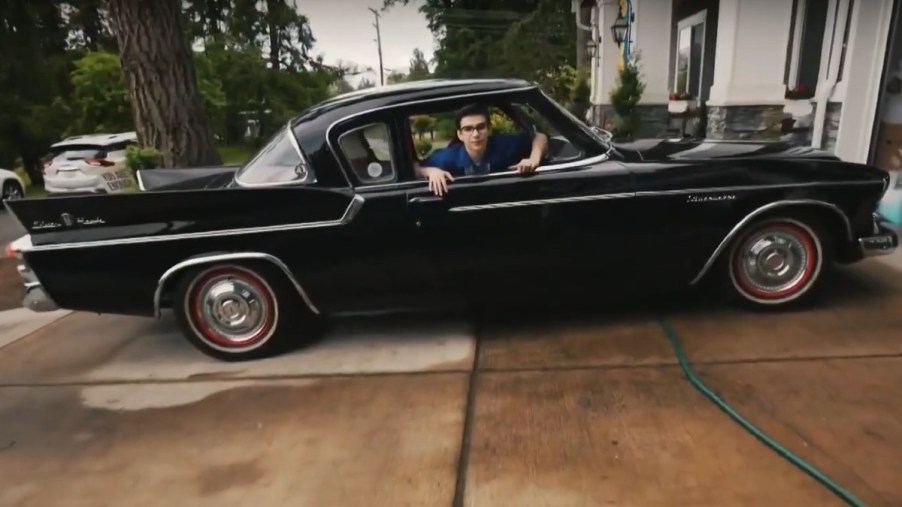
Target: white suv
x=93, y=163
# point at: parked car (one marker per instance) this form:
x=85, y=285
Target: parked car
x=11, y=185
x=328, y=217
x=90, y=164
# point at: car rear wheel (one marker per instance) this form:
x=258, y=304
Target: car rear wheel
x=776, y=262
x=234, y=312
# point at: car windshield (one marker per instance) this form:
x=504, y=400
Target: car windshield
x=277, y=162
x=593, y=132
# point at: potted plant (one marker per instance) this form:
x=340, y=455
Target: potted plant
x=798, y=101
x=681, y=102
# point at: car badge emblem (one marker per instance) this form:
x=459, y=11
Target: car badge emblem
x=67, y=219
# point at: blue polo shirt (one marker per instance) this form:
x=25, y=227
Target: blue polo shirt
x=502, y=151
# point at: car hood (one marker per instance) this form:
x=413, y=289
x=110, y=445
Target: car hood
x=651, y=150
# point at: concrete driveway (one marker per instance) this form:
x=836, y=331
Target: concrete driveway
x=586, y=408
x=10, y=229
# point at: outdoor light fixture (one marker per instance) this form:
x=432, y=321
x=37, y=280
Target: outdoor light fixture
x=619, y=28
x=591, y=47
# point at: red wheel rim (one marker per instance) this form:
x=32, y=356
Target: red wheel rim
x=776, y=261
x=231, y=308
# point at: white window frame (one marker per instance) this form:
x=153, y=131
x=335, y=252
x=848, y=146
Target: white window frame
x=834, y=32
x=699, y=18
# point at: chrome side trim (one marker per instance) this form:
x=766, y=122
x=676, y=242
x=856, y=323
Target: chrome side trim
x=539, y=202
x=400, y=185
x=646, y=193
x=767, y=207
x=350, y=212
x=742, y=188
x=208, y=259
x=140, y=180
x=541, y=169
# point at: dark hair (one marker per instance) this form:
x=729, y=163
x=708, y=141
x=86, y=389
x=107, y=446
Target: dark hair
x=471, y=110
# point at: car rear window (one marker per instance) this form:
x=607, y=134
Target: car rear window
x=76, y=152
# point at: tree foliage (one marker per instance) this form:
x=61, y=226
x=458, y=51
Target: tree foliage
x=61, y=74
x=528, y=39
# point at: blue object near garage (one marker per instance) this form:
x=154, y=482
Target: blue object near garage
x=891, y=205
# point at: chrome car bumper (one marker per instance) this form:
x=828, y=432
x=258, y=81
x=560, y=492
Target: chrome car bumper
x=36, y=298
x=883, y=241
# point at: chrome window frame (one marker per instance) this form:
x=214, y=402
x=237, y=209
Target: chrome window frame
x=348, y=171
x=417, y=183
x=304, y=161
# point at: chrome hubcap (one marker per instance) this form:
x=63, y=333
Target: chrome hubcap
x=12, y=192
x=773, y=261
x=234, y=309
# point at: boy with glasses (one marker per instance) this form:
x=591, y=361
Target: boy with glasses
x=479, y=151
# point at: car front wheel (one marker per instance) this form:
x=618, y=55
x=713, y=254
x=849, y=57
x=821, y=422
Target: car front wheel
x=234, y=313
x=776, y=262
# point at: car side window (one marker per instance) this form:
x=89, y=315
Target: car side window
x=436, y=130
x=277, y=162
x=368, y=151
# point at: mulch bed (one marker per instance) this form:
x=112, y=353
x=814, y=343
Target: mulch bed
x=11, y=289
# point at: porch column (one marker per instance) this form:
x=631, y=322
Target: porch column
x=865, y=59
x=608, y=52
x=651, y=37
x=751, y=54
x=748, y=90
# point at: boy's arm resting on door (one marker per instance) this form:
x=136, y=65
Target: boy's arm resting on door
x=539, y=148
x=536, y=144
x=436, y=162
x=434, y=168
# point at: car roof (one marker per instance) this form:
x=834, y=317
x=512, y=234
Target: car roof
x=96, y=139
x=379, y=96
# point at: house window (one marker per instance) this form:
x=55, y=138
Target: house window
x=845, y=41
x=690, y=54
x=811, y=38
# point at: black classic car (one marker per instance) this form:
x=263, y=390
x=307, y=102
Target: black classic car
x=329, y=217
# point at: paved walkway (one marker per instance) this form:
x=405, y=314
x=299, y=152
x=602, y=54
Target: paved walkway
x=580, y=409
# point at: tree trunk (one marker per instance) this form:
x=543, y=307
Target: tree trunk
x=158, y=69
x=275, y=40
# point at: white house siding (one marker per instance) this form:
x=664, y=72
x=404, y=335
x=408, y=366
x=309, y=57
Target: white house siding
x=751, y=52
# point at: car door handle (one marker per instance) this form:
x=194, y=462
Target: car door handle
x=423, y=200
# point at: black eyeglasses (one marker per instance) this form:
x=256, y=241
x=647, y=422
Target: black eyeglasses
x=469, y=129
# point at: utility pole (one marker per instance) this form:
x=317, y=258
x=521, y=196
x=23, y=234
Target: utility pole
x=378, y=45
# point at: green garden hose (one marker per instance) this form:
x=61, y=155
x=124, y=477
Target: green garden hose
x=782, y=451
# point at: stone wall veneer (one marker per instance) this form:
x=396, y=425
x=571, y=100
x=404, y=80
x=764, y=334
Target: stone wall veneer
x=744, y=122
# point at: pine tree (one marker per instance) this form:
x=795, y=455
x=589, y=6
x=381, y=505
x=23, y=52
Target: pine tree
x=624, y=100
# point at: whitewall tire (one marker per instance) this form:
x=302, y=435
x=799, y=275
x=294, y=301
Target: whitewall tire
x=776, y=262
x=233, y=312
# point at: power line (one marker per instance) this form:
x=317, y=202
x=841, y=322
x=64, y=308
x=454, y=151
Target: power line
x=379, y=45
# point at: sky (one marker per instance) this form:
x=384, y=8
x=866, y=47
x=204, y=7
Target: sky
x=344, y=31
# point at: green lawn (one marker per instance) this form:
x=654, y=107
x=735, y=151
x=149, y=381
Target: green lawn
x=238, y=154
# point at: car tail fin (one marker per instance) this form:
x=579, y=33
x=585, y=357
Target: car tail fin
x=38, y=216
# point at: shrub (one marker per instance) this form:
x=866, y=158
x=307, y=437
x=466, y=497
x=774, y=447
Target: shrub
x=423, y=147
x=137, y=158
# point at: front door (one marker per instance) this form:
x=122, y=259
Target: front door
x=515, y=235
